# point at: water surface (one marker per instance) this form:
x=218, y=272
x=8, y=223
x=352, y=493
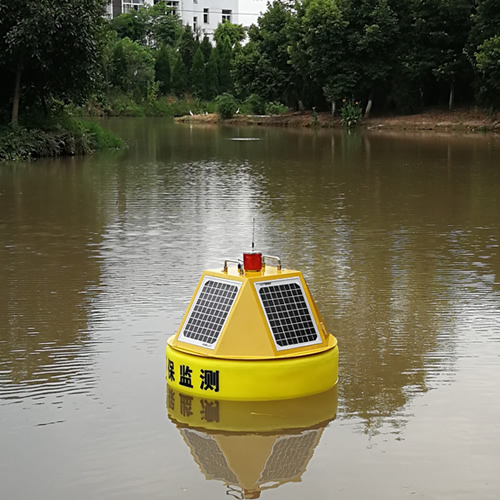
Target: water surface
x=398, y=237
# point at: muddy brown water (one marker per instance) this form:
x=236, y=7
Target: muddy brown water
x=398, y=237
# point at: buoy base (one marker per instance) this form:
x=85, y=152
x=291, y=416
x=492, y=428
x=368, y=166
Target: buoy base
x=251, y=380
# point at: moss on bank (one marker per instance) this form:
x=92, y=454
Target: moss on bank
x=65, y=137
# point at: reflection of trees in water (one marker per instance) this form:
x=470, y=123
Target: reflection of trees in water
x=369, y=223
x=51, y=220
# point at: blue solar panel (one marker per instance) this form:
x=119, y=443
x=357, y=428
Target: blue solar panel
x=288, y=313
x=209, y=312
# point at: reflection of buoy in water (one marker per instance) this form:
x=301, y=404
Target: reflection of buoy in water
x=252, y=332
x=252, y=446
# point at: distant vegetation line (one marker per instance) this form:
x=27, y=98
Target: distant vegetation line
x=360, y=56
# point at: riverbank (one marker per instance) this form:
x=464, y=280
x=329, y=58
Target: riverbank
x=463, y=120
x=64, y=137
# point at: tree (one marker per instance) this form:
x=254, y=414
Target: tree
x=211, y=76
x=131, y=25
x=162, y=69
x=485, y=22
x=151, y=25
x=187, y=46
x=163, y=26
x=50, y=49
x=371, y=39
x=206, y=48
x=224, y=56
x=488, y=63
x=179, y=76
x=441, y=32
x=132, y=68
x=235, y=32
x=262, y=66
x=198, y=74
x=318, y=50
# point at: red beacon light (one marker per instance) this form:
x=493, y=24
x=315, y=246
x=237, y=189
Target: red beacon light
x=252, y=261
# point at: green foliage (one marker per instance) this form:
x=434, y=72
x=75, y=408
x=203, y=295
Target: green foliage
x=234, y=32
x=488, y=63
x=153, y=25
x=351, y=114
x=163, y=27
x=131, y=25
x=153, y=91
x=198, y=75
x=179, y=77
x=72, y=137
x=52, y=48
x=187, y=46
x=275, y=108
x=99, y=137
x=226, y=106
x=254, y=104
x=224, y=64
x=212, y=76
x=179, y=107
x=132, y=68
x=123, y=105
x=162, y=70
x=485, y=22
x=206, y=48
x=262, y=66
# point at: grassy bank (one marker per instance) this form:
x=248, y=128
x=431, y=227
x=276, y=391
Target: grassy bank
x=121, y=104
x=63, y=136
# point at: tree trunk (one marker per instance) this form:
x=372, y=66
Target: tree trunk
x=451, y=101
x=333, y=108
x=301, y=106
x=369, y=105
x=17, y=92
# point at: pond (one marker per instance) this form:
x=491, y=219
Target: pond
x=397, y=235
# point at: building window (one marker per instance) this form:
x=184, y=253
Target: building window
x=128, y=5
x=205, y=16
x=174, y=5
x=226, y=15
x=195, y=23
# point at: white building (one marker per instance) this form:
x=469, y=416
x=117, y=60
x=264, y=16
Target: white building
x=201, y=15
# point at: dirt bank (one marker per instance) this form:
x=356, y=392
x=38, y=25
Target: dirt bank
x=465, y=120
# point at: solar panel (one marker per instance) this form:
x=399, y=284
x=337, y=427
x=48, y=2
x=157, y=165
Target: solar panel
x=209, y=312
x=288, y=313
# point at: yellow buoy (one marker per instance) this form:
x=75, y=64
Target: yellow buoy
x=252, y=332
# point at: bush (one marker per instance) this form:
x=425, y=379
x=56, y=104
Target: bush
x=255, y=104
x=275, y=108
x=488, y=63
x=70, y=138
x=123, y=105
x=100, y=138
x=350, y=114
x=226, y=106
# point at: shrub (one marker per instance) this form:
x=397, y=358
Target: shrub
x=350, y=114
x=226, y=106
x=275, y=108
x=255, y=104
x=72, y=137
x=488, y=63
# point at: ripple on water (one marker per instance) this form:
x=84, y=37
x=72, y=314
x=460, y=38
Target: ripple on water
x=47, y=371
